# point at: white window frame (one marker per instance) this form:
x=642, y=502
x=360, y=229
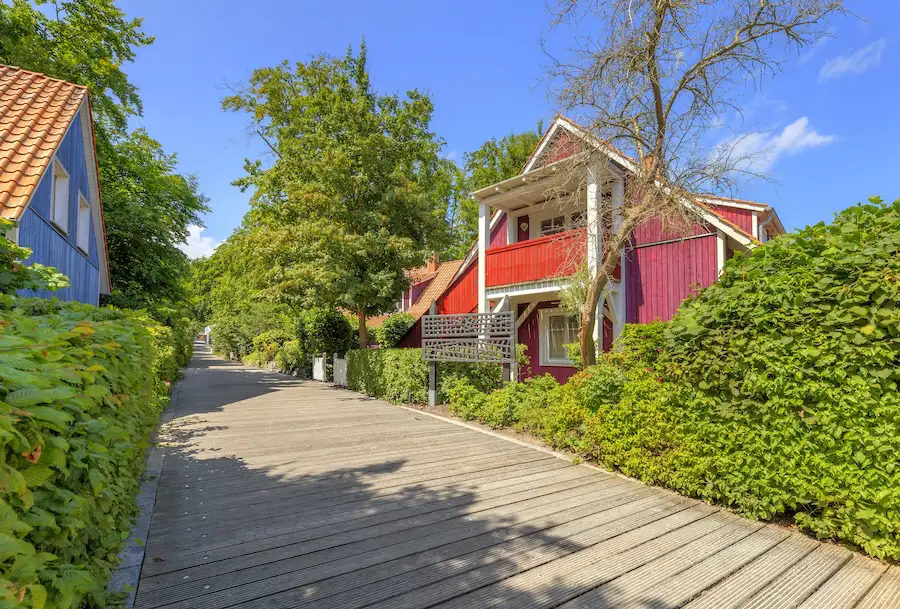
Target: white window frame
x=83, y=225
x=544, y=336
x=59, y=220
x=559, y=228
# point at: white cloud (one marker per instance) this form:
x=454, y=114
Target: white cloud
x=856, y=62
x=197, y=244
x=757, y=151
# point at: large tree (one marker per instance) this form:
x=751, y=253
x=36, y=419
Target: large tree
x=147, y=204
x=652, y=77
x=347, y=199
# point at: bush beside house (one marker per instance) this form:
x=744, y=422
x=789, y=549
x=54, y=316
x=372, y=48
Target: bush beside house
x=774, y=391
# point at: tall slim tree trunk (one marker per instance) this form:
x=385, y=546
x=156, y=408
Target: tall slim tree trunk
x=363, y=331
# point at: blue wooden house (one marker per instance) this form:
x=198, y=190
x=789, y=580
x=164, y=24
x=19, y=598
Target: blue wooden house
x=48, y=180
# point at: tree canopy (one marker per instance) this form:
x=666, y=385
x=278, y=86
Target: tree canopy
x=347, y=200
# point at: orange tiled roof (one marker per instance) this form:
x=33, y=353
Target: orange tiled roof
x=35, y=112
x=442, y=279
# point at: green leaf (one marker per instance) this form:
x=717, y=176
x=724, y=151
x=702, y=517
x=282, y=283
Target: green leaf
x=36, y=475
x=12, y=545
x=49, y=414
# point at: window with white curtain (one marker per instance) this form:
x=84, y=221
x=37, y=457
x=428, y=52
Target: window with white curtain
x=83, y=226
x=59, y=201
x=557, y=329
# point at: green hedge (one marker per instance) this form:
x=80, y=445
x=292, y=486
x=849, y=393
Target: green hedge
x=786, y=373
x=401, y=376
x=77, y=405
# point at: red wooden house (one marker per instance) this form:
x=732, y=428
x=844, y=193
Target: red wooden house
x=530, y=244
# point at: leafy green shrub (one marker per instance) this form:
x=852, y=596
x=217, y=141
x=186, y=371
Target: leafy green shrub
x=395, y=375
x=76, y=408
x=291, y=358
x=324, y=331
x=254, y=359
x=640, y=344
x=786, y=377
x=393, y=329
x=266, y=344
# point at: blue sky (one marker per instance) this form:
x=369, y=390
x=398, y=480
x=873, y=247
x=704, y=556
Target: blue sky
x=828, y=125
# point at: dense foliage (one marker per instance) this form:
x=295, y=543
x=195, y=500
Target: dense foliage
x=774, y=391
x=393, y=329
x=786, y=373
x=290, y=343
x=80, y=389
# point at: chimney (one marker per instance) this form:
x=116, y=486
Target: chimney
x=432, y=265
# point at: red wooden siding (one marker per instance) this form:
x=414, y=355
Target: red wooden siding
x=413, y=338
x=529, y=335
x=742, y=217
x=560, y=148
x=659, y=277
x=498, y=234
x=542, y=258
x=651, y=232
x=462, y=295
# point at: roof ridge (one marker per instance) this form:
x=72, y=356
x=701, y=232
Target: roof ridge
x=42, y=75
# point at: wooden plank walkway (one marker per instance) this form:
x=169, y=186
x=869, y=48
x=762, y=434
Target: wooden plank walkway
x=280, y=493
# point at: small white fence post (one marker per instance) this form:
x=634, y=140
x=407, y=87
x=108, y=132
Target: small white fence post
x=339, y=370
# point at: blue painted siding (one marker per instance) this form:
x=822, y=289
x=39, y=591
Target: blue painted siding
x=50, y=248
x=49, y=245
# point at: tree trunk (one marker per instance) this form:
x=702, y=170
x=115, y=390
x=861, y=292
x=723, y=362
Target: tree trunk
x=595, y=289
x=589, y=318
x=363, y=331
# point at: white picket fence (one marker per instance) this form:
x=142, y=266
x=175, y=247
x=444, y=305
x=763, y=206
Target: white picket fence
x=319, y=368
x=339, y=371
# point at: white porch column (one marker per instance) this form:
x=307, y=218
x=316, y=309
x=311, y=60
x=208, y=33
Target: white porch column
x=595, y=238
x=618, y=206
x=484, y=236
x=720, y=252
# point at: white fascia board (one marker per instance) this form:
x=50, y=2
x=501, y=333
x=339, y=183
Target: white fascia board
x=90, y=160
x=734, y=204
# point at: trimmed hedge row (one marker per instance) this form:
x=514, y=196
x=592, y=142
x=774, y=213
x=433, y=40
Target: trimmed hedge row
x=80, y=390
x=401, y=375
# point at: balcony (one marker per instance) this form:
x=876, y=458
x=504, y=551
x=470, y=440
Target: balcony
x=536, y=259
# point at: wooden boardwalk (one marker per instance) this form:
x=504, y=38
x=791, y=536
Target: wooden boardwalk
x=280, y=493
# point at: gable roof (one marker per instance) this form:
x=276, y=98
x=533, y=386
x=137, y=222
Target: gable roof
x=35, y=113
x=445, y=273
x=564, y=125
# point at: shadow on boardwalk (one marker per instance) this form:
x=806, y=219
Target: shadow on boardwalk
x=283, y=493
